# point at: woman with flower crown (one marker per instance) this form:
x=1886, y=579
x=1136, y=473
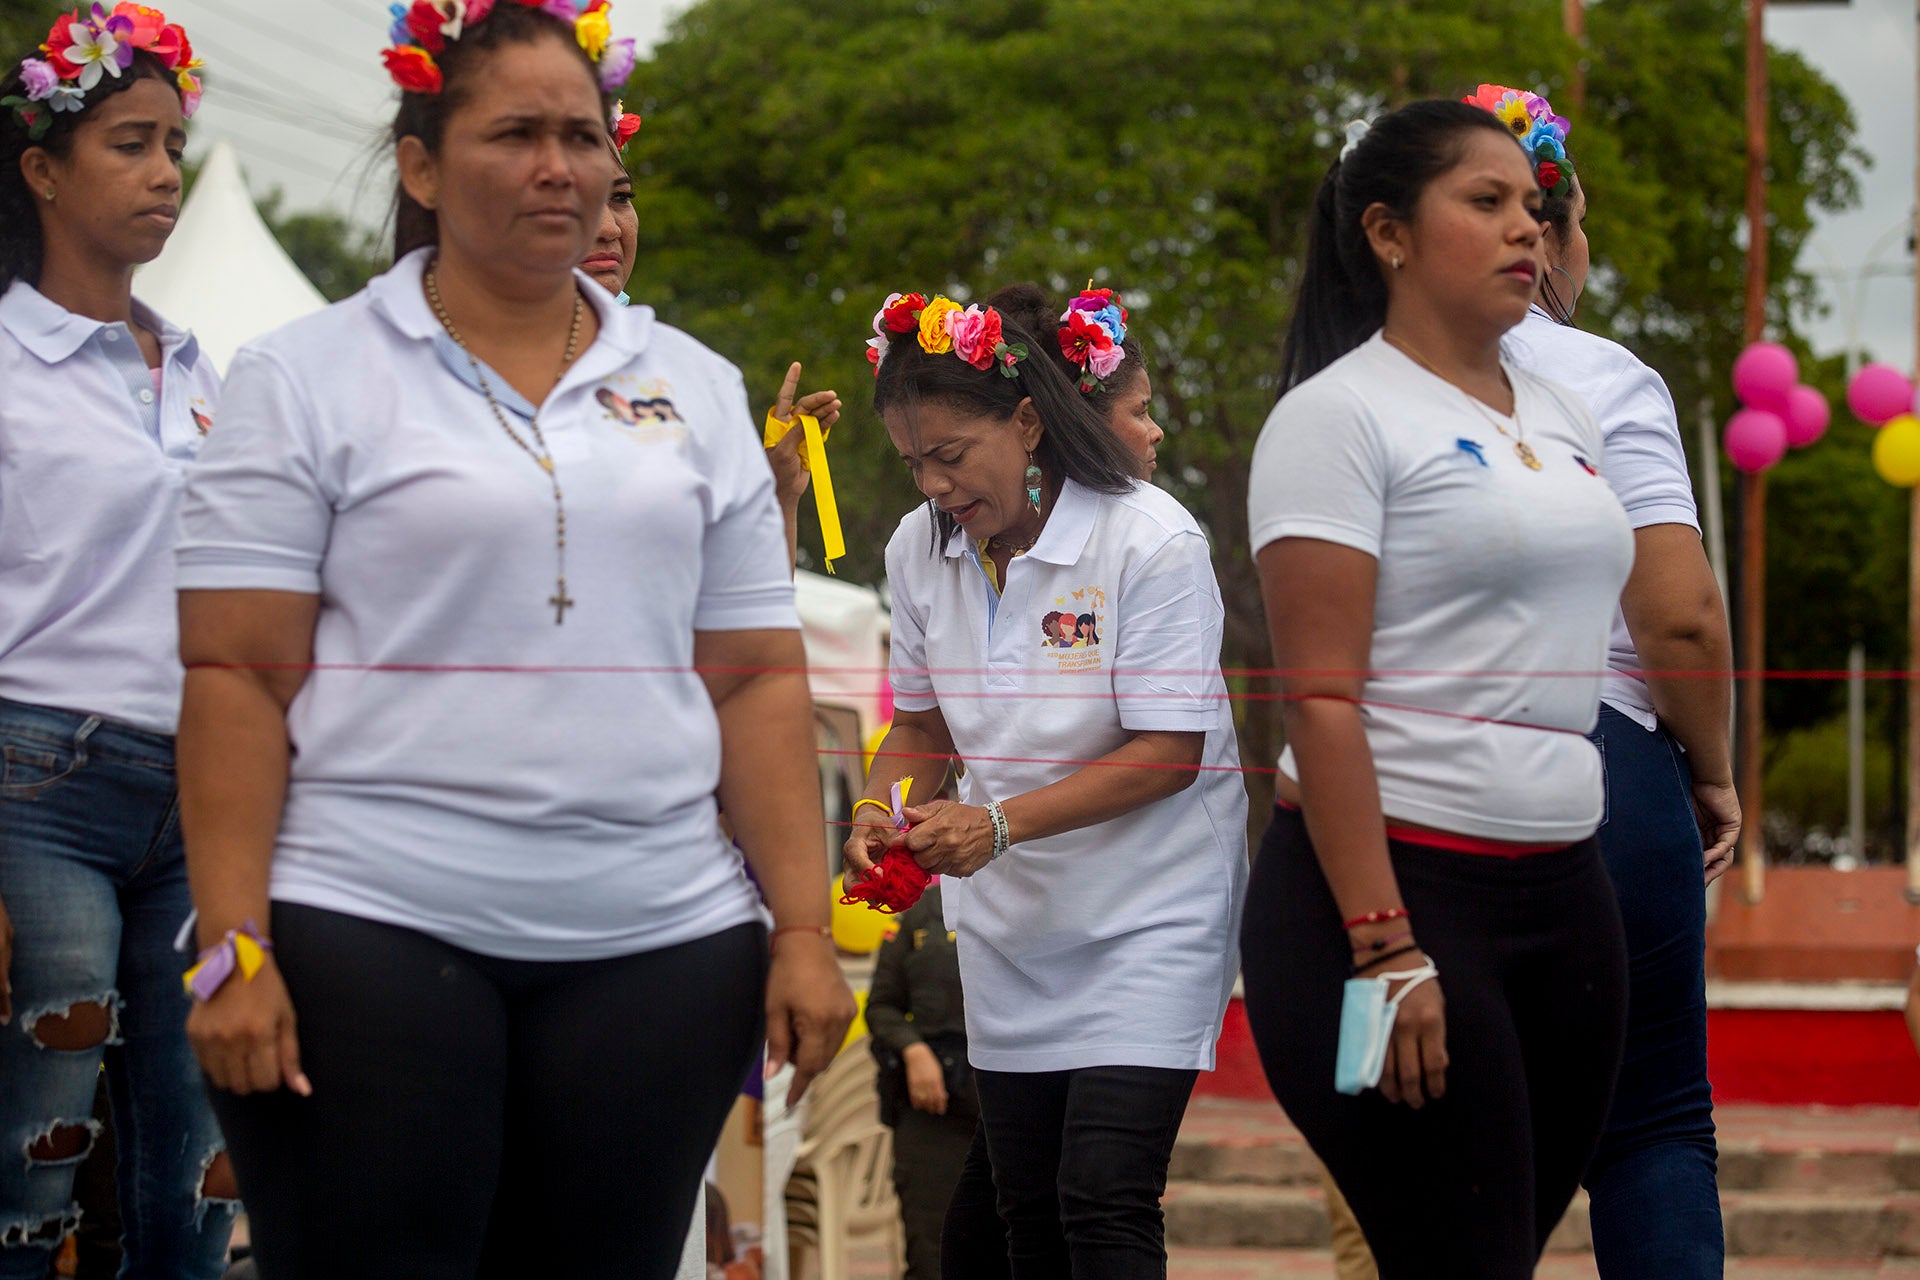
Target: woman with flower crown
x=1095, y=862
x=97, y=426
x=1435, y=971
x=471, y=657
x=1673, y=818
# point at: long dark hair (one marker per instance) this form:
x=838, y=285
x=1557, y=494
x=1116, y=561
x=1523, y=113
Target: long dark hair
x=1037, y=312
x=424, y=115
x=1077, y=444
x=1343, y=295
x=21, y=246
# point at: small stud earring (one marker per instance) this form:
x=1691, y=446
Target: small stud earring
x=49, y=193
x=1396, y=262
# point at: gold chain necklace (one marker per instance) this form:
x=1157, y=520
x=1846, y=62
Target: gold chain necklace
x=1518, y=435
x=543, y=456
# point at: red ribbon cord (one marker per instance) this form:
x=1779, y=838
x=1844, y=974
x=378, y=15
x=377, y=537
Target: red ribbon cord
x=895, y=883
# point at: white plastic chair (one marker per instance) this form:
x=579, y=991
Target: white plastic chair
x=842, y=1185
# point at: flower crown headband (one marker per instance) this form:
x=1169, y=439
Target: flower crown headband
x=974, y=333
x=89, y=44
x=622, y=124
x=1541, y=134
x=428, y=26
x=1093, y=334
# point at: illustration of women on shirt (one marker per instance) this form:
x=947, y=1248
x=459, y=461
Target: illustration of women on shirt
x=1088, y=632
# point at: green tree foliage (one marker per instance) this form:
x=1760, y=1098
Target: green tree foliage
x=802, y=158
x=23, y=25
x=336, y=255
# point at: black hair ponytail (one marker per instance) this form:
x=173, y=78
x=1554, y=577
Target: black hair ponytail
x=1342, y=298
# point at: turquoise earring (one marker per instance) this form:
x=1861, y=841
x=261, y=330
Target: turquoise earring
x=1033, y=479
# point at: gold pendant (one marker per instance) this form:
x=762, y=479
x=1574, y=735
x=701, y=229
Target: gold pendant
x=546, y=465
x=1527, y=455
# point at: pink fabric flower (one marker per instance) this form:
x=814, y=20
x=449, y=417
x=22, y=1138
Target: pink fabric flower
x=975, y=333
x=616, y=64
x=38, y=78
x=1104, y=360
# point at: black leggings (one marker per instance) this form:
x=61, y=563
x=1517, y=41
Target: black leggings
x=477, y=1117
x=1533, y=968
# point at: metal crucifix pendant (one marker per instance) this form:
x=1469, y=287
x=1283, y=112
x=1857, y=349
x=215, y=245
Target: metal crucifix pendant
x=561, y=602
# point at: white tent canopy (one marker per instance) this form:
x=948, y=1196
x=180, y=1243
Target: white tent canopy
x=222, y=274
x=845, y=629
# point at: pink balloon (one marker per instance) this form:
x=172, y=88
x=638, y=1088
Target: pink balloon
x=1807, y=416
x=1878, y=394
x=1756, y=439
x=1763, y=375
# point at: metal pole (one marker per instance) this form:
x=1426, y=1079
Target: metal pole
x=1574, y=12
x=1753, y=488
x=1857, y=752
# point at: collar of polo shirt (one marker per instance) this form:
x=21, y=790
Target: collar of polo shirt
x=1063, y=539
x=53, y=333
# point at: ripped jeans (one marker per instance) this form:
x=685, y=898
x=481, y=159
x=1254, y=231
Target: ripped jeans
x=94, y=876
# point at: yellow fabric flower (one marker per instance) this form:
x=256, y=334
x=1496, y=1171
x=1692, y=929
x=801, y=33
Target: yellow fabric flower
x=934, y=338
x=1513, y=114
x=593, y=31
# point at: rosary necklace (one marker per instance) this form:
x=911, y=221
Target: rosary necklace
x=538, y=450
x=1519, y=433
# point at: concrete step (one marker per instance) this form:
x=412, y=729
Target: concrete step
x=1759, y=1224
x=1317, y=1264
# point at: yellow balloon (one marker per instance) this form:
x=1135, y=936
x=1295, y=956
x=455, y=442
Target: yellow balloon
x=1896, y=452
x=857, y=928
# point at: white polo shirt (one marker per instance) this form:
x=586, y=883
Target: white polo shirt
x=92, y=461
x=1496, y=588
x=1117, y=944
x=1646, y=465
x=551, y=798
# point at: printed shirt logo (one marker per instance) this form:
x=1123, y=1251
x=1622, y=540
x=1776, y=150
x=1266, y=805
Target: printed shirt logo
x=201, y=418
x=1074, y=629
x=643, y=409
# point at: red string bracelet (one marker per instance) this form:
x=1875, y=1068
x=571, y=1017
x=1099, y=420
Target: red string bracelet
x=1376, y=917
x=895, y=883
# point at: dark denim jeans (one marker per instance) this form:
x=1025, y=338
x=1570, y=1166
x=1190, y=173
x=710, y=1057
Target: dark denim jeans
x=94, y=877
x=1080, y=1163
x=1656, y=1208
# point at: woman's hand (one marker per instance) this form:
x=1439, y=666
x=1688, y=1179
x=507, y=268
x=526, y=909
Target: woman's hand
x=6, y=966
x=1717, y=808
x=809, y=1008
x=244, y=1036
x=926, y=1079
x=1416, y=1068
x=866, y=844
x=790, y=475
x=947, y=839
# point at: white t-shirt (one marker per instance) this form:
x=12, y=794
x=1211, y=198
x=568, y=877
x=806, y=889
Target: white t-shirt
x=1646, y=465
x=1497, y=584
x=1117, y=944
x=554, y=798
x=93, y=456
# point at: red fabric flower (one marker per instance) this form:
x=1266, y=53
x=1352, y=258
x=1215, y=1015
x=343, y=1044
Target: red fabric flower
x=1549, y=175
x=903, y=316
x=991, y=336
x=1081, y=337
x=412, y=69
x=58, y=42
x=423, y=24
x=172, y=47
x=895, y=883
x=623, y=131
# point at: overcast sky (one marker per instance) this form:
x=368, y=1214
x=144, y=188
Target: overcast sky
x=276, y=61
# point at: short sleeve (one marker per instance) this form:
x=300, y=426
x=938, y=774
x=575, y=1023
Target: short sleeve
x=1166, y=662
x=1319, y=471
x=907, y=650
x=1643, y=459
x=258, y=508
x=746, y=579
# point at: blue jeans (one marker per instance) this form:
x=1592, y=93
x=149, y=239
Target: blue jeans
x=1656, y=1208
x=94, y=876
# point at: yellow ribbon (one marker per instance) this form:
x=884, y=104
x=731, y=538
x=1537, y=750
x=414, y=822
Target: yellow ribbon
x=813, y=456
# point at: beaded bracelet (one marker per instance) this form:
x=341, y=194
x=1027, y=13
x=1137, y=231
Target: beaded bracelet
x=1381, y=944
x=1001, y=832
x=1377, y=917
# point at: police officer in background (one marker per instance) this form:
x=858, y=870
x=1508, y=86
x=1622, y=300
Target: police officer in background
x=917, y=1020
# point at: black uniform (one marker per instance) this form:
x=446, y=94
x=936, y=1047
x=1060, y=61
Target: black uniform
x=916, y=1000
